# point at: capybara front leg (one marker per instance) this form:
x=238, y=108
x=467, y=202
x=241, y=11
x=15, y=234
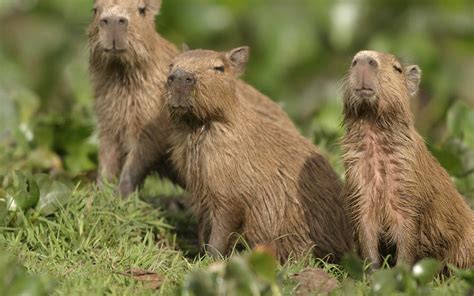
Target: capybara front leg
x=111, y=159
x=133, y=173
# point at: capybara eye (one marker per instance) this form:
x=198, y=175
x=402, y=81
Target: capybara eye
x=94, y=11
x=398, y=69
x=142, y=10
x=354, y=63
x=220, y=69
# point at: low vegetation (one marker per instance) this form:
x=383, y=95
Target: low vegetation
x=61, y=235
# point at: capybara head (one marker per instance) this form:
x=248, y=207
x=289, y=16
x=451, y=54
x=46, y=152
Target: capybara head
x=377, y=83
x=201, y=84
x=121, y=29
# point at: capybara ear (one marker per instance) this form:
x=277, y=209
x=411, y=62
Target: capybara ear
x=153, y=6
x=185, y=47
x=413, y=73
x=238, y=58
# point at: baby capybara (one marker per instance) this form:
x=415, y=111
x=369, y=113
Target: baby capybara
x=399, y=196
x=129, y=63
x=247, y=174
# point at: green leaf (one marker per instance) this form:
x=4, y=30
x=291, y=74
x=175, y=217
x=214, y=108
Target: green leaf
x=353, y=265
x=28, y=286
x=237, y=268
x=3, y=210
x=460, y=120
x=384, y=282
x=466, y=275
x=199, y=283
x=264, y=264
x=22, y=191
x=14, y=280
x=425, y=270
x=54, y=194
x=450, y=161
x=405, y=281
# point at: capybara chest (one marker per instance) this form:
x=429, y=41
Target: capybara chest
x=375, y=167
x=128, y=115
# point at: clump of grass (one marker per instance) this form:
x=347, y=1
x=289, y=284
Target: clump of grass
x=91, y=238
x=85, y=246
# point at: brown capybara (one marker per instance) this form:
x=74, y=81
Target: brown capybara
x=129, y=63
x=248, y=175
x=399, y=196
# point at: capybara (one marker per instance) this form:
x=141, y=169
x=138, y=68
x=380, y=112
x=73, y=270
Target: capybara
x=129, y=63
x=399, y=196
x=248, y=175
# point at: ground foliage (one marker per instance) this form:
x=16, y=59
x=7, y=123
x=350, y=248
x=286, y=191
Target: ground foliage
x=59, y=233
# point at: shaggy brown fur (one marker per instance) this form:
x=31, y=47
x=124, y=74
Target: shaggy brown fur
x=399, y=195
x=129, y=62
x=247, y=174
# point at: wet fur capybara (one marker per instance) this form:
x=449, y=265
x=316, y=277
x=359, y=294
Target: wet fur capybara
x=128, y=66
x=129, y=63
x=248, y=175
x=399, y=196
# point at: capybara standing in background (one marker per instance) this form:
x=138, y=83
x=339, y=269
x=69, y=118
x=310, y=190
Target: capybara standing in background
x=399, y=195
x=248, y=175
x=128, y=65
x=129, y=62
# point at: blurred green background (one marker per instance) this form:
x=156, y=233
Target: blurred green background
x=300, y=51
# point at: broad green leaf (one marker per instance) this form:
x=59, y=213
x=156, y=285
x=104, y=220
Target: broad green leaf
x=384, y=282
x=450, y=161
x=237, y=268
x=425, y=270
x=22, y=192
x=264, y=264
x=405, y=281
x=354, y=266
x=467, y=275
x=53, y=195
x=199, y=283
x=28, y=286
x=460, y=121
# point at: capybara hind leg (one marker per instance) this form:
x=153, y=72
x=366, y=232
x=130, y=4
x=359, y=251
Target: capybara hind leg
x=204, y=230
x=222, y=229
x=405, y=248
x=111, y=159
x=368, y=239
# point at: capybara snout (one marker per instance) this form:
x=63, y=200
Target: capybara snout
x=180, y=84
x=363, y=74
x=114, y=32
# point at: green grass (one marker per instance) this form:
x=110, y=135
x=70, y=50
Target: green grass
x=85, y=244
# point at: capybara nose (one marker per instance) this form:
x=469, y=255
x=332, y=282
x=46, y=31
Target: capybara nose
x=181, y=78
x=171, y=78
x=365, y=61
x=114, y=22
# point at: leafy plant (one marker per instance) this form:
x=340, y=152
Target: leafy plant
x=14, y=280
x=252, y=274
x=21, y=192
